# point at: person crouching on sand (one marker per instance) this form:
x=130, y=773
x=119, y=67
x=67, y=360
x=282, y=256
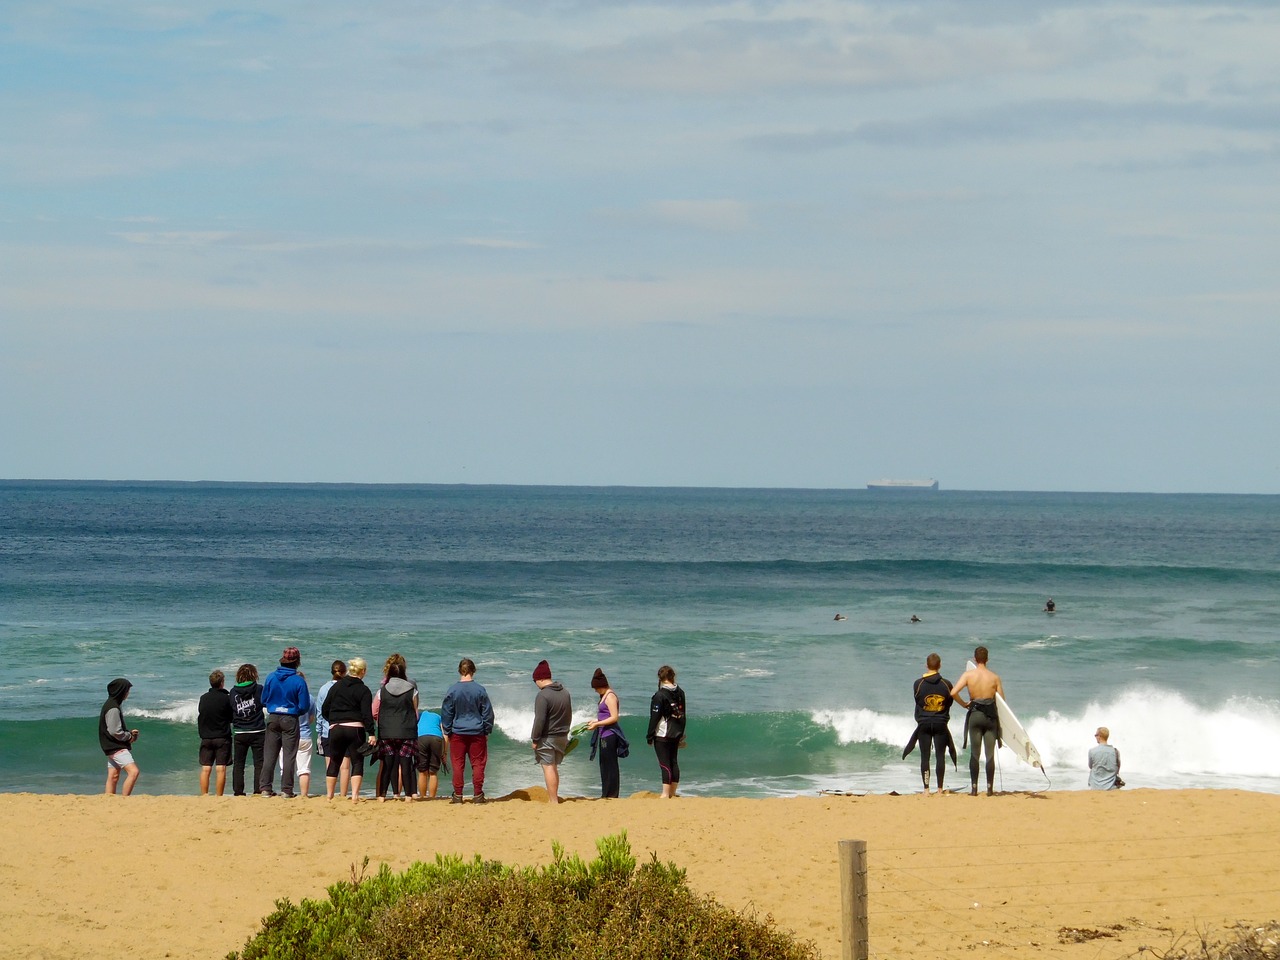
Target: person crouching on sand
x=116, y=739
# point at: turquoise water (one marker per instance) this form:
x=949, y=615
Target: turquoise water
x=1165, y=629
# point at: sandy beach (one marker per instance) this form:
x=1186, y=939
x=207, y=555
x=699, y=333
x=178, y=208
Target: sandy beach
x=1016, y=875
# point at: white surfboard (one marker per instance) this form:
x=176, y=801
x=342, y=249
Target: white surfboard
x=1014, y=734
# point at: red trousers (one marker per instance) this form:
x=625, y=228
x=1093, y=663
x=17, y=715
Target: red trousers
x=462, y=746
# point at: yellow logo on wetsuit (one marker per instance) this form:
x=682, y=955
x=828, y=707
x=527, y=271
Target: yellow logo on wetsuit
x=934, y=703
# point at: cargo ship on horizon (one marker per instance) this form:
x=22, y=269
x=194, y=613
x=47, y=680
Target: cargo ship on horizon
x=903, y=485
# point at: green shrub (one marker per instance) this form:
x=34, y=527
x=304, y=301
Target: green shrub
x=607, y=909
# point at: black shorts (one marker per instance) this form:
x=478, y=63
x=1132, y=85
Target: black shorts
x=430, y=754
x=216, y=752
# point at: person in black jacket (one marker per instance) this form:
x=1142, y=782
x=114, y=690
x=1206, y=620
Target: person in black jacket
x=116, y=739
x=213, y=722
x=248, y=727
x=666, y=728
x=349, y=710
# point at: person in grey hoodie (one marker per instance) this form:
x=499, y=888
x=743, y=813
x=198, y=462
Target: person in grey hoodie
x=552, y=718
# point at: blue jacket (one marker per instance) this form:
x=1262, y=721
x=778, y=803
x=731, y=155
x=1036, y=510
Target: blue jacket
x=467, y=710
x=286, y=692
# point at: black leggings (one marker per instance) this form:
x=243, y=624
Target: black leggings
x=668, y=751
x=982, y=736
x=397, y=768
x=344, y=743
x=934, y=737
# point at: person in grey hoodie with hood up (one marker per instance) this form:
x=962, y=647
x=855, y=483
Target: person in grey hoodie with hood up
x=552, y=718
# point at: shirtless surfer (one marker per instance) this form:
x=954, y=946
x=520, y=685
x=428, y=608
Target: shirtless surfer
x=982, y=725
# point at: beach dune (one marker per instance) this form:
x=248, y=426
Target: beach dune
x=1071, y=874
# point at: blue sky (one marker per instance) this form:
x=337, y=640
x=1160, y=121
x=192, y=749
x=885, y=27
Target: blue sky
x=1009, y=245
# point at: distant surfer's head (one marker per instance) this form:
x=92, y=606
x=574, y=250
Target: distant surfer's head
x=216, y=679
x=466, y=668
x=666, y=674
x=291, y=657
x=396, y=666
x=979, y=654
x=599, y=681
x=247, y=673
x=1103, y=734
x=338, y=669
x=357, y=667
x=933, y=661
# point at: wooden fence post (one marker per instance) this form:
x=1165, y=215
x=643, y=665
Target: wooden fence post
x=853, y=900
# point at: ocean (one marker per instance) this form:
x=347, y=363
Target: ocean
x=1165, y=628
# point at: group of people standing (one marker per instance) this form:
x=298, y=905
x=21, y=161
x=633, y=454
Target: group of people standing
x=934, y=695
x=276, y=722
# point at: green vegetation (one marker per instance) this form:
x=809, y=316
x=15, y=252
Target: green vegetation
x=607, y=909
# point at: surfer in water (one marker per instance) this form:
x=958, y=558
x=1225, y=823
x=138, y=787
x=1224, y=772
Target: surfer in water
x=933, y=709
x=982, y=725
x=1050, y=606
x=841, y=616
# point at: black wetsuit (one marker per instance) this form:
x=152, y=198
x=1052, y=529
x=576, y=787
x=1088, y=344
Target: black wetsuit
x=982, y=732
x=933, y=710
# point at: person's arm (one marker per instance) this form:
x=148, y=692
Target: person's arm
x=487, y=714
x=655, y=714
x=999, y=686
x=446, y=713
x=539, y=719
x=1117, y=750
x=366, y=713
x=961, y=684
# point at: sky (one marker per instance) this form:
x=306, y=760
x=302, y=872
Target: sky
x=1005, y=244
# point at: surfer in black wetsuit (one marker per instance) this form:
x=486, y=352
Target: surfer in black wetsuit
x=982, y=725
x=933, y=709
x=1050, y=606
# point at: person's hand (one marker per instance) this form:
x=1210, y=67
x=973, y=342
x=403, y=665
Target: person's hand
x=372, y=741
x=592, y=724
x=133, y=734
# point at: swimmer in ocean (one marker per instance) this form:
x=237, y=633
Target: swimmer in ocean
x=841, y=616
x=1050, y=606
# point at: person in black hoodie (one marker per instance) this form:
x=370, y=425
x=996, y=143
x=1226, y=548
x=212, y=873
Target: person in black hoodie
x=349, y=710
x=213, y=723
x=249, y=727
x=116, y=739
x=933, y=709
x=666, y=729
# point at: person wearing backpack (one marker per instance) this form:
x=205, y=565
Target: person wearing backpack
x=666, y=729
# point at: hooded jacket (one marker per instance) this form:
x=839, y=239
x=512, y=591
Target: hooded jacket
x=552, y=712
x=397, y=716
x=213, y=715
x=113, y=735
x=286, y=692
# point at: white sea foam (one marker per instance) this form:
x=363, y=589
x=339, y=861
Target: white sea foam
x=182, y=712
x=866, y=726
x=1164, y=739
x=1162, y=735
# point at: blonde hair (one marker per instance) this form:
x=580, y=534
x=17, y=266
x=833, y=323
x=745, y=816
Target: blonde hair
x=357, y=667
